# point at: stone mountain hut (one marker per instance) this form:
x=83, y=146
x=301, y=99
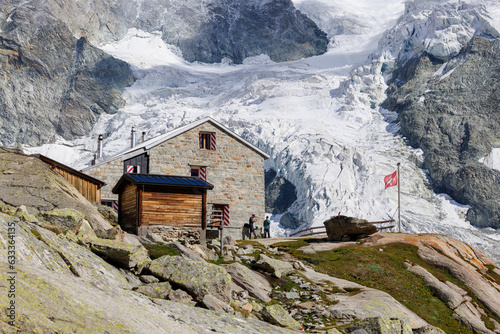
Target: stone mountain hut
x=204, y=149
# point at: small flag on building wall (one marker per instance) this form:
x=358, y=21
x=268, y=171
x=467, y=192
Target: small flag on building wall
x=391, y=180
x=115, y=206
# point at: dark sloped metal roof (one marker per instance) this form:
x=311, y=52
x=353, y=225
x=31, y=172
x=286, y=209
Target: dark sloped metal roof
x=162, y=180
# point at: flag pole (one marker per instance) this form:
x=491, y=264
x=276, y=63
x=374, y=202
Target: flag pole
x=399, y=200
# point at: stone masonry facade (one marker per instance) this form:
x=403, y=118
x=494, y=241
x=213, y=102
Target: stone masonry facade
x=235, y=169
x=108, y=172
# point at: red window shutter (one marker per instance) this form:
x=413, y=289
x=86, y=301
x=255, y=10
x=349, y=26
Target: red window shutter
x=226, y=217
x=115, y=206
x=203, y=173
x=133, y=169
x=213, y=141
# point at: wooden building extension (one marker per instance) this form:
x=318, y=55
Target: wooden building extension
x=147, y=200
x=88, y=186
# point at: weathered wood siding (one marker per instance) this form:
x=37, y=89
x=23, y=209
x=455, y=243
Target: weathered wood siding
x=89, y=190
x=128, y=215
x=171, y=209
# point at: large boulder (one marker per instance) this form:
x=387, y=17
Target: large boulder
x=343, y=228
x=428, y=330
x=155, y=290
x=122, y=254
x=277, y=315
x=256, y=285
x=380, y=325
x=215, y=304
x=277, y=268
x=85, y=231
x=185, y=252
x=66, y=218
x=198, y=278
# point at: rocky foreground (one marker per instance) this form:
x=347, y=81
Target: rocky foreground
x=69, y=270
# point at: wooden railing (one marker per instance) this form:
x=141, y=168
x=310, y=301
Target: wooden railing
x=324, y=232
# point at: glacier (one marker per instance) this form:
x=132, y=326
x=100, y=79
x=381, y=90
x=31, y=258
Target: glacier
x=319, y=118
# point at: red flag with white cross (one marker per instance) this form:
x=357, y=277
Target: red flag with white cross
x=391, y=180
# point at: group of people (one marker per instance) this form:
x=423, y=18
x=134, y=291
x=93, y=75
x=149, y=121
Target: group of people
x=251, y=227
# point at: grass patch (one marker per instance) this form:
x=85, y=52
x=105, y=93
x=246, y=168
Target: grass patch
x=221, y=260
x=493, y=275
x=285, y=284
x=36, y=234
x=386, y=271
x=53, y=228
x=290, y=246
x=488, y=322
x=157, y=250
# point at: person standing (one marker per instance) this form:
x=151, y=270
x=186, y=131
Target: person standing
x=251, y=223
x=267, y=226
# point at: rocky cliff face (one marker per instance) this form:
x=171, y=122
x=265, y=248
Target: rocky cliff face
x=56, y=82
x=53, y=82
x=240, y=29
x=450, y=110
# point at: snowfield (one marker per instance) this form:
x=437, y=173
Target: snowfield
x=319, y=118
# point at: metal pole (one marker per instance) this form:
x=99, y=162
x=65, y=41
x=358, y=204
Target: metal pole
x=221, y=240
x=399, y=200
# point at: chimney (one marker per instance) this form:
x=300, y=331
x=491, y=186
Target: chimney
x=132, y=137
x=143, y=136
x=99, y=147
x=92, y=163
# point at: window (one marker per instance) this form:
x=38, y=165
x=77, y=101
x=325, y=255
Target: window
x=207, y=141
x=220, y=215
x=195, y=172
x=200, y=172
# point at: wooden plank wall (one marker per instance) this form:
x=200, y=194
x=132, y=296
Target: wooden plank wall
x=128, y=208
x=171, y=209
x=89, y=190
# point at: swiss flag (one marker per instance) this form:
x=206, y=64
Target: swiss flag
x=391, y=180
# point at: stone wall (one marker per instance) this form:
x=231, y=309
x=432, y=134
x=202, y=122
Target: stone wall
x=109, y=172
x=168, y=233
x=235, y=170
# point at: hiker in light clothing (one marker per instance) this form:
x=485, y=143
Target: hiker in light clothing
x=267, y=226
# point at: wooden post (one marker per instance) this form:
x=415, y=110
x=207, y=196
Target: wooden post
x=203, y=232
x=139, y=205
x=221, y=239
x=399, y=199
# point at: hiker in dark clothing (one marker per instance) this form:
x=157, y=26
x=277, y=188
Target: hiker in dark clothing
x=251, y=224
